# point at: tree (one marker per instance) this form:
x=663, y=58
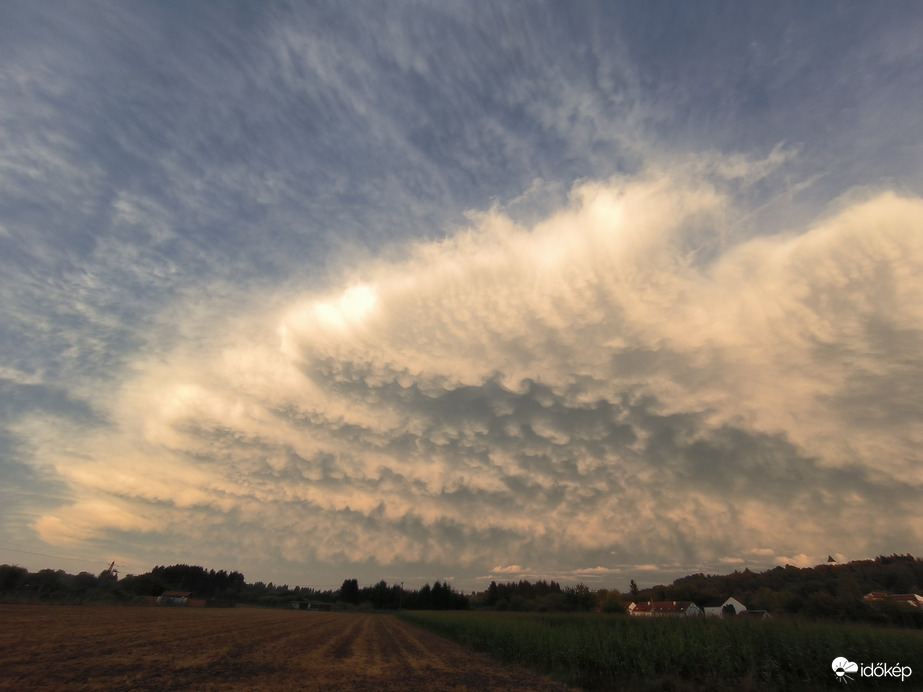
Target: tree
x=579, y=597
x=12, y=577
x=610, y=601
x=349, y=592
x=381, y=595
x=84, y=582
x=142, y=585
x=633, y=588
x=493, y=594
x=425, y=597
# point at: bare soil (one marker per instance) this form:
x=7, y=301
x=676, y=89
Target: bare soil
x=45, y=647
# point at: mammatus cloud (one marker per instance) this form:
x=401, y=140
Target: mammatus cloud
x=630, y=382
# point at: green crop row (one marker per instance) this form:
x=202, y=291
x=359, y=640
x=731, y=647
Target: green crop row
x=604, y=652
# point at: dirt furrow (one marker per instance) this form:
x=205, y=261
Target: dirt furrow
x=123, y=648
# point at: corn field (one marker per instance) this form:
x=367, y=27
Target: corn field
x=598, y=652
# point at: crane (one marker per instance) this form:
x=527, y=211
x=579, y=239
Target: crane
x=111, y=571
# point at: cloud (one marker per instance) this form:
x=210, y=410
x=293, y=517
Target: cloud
x=800, y=560
x=598, y=572
x=586, y=574
x=595, y=383
x=761, y=551
x=87, y=519
x=510, y=569
x=246, y=305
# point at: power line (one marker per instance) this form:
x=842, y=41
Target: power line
x=53, y=557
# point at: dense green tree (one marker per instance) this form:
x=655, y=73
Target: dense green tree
x=580, y=598
x=142, y=585
x=610, y=601
x=349, y=591
x=12, y=578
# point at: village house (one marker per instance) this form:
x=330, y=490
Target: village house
x=174, y=598
x=908, y=600
x=664, y=609
x=716, y=606
x=308, y=605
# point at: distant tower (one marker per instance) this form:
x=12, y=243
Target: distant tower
x=830, y=560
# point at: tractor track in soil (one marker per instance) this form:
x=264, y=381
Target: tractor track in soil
x=94, y=648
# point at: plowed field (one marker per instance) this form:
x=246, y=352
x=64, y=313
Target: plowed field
x=134, y=648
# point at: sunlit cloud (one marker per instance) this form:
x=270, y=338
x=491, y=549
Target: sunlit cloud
x=800, y=560
x=514, y=391
x=509, y=569
x=412, y=290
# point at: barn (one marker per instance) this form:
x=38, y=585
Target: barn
x=716, y=606
x=174, y=598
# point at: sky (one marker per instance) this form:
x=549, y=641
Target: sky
x=472, y=291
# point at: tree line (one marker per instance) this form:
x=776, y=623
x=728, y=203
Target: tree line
x=828, y=591
x=381, y=596
x=17, y=583
x=545, y=596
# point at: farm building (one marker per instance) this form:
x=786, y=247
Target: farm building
x=664, y=609
x=909, y=600
x=174, y=598
x=307, y=605
x=716, y=606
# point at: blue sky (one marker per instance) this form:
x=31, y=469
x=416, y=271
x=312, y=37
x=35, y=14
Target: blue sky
x=464, y=291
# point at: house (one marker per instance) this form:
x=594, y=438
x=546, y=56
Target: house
x=716, y=606
x=906, y=600
x=653, y=609
x=307, y=605
x=174, y=598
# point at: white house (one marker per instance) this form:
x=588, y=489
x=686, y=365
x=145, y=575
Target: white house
x=174, y=598
x=716, y=606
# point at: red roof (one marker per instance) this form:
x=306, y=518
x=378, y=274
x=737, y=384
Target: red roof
x=662, y=607
x=876, y=596
x=904, y=598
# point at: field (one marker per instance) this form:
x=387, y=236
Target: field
x=598, y=652
x=46, y=647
